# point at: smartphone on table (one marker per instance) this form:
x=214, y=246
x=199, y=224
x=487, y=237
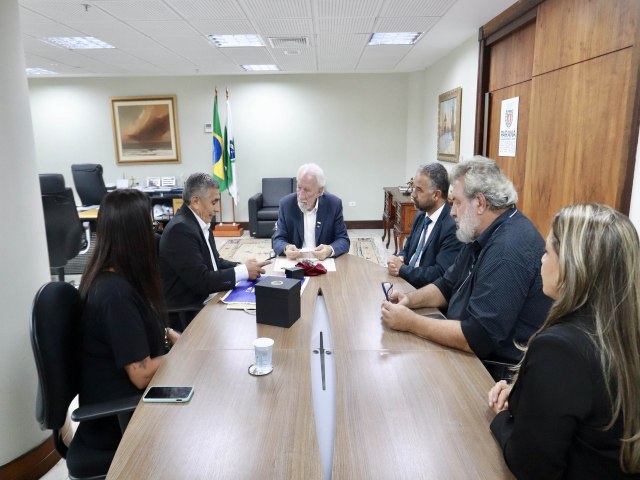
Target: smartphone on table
x=168, y=394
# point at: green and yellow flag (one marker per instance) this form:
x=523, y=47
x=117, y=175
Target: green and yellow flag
x=219, y=171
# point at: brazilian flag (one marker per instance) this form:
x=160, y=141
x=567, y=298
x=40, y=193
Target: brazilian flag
x=219, y=170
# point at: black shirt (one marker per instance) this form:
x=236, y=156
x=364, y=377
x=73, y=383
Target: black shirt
x=494, y=288
x=118, y=328
x=558, y=409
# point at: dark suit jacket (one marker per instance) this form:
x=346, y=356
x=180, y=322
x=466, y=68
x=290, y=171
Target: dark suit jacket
x=330, y=227
x=558, y=408
x=439, y=254
x=185, y=263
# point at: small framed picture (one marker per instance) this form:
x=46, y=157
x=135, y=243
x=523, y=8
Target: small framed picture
x=153, y=181
x=449, y=105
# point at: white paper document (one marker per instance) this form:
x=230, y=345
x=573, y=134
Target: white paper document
x=284, y=262
x=508, y=127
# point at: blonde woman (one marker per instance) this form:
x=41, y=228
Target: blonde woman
x=574, y=409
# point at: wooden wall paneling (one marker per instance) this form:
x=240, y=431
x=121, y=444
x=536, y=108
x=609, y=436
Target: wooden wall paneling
x=513, y=167
x=511, y=18
x=631, y=132
x=576, y=136
x=483, y=82
x=511, y=58
x=571, y=31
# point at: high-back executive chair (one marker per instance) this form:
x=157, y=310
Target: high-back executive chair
x=62, y=225
x=56, y=343
x=87, y=177
x=263, y=206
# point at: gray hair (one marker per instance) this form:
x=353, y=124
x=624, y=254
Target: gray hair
x=313, y=170
x=197, y=185
x=483, y=175
x=438, y=175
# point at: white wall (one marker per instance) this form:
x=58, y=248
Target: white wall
x=23, y=248
x=354, y=126
x=457, y=69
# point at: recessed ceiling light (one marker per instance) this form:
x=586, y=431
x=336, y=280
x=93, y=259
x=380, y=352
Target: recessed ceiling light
x=259, y=68
x=40, y=71
x=395, y=38
x=76, y=43
x=224, y=41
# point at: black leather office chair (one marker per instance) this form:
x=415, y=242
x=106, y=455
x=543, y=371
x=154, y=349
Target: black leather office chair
x=87, y=177
x=51, y=183
x=56, y=343
x=263, y=206
x=62, y=225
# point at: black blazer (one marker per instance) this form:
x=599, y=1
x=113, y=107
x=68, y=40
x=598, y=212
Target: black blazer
x=558, y=408
x=330, y=226
x=439, y=254
x=185, y=263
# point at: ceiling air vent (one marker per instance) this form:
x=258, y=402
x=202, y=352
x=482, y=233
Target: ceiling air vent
x=289, y=42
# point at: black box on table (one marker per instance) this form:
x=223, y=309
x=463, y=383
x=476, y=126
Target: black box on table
x=278, y=301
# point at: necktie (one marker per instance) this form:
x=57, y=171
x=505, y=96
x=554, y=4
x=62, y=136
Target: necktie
x=423, y=238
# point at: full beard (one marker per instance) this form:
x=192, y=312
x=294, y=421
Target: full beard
x=467, y=227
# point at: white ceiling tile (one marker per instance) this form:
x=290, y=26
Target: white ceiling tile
x=349, y=8
x=334, y=64
x=386, y=51
x=342, y=41
x=50, y=30
x=277, y=8
x=249, y=55
x=159, y=54
x=207, y=9
x=28, y=17
x=66, y=11
x=223, y=27
x=382, y=57
x=418, y=8
x=405, y=24
x=165, y=28
x=138, y=10
x=284, y=26
x=344, y=25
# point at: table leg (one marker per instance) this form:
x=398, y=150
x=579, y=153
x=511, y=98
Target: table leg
x=395, y=241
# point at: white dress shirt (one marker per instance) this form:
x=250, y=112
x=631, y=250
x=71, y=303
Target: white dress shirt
x=241, y=270
x=434, y=218
x=310, y=227
x=310, y=222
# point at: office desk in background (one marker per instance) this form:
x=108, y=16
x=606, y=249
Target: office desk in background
x=405, y=407
x=90, y=214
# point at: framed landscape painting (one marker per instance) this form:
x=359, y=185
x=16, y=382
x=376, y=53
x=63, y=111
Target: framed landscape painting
x=449, y=105
x=145, y=129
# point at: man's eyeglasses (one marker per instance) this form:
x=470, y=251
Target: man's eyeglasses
x=387, y=288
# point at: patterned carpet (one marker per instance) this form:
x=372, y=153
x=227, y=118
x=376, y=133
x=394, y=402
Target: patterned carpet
x=241, y=249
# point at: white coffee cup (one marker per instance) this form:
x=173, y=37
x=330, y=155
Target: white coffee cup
x=263, y=350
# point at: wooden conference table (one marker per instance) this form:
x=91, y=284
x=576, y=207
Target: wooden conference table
x=405, y=407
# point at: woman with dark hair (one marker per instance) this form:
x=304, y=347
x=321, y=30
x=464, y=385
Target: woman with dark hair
x=573, y=411
x=124, y=314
